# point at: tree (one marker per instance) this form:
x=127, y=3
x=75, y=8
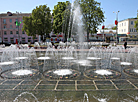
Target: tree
x=61, y=15
x=136, y=24
x=28, y=26
x=39, y=22
x=93, y=15
x=114, y=28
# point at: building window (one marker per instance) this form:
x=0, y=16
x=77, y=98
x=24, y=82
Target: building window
x=122, y=24
x=23, y=32
x=135, y=30
x=10, y=20
x=4, y=26
x=125, y=24
x=5, y=32
x=10, y=26
x=12, y=40
x=135, y=36
x=17, y=32
x=124, y=30
x=6, y=39
x=131, y=22
x=29, y=38
x=131, y=30
x=130, y=36
x=16, y=20
x=4, y=21
x=11, y=32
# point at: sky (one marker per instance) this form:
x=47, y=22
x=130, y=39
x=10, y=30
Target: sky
x=127, y=8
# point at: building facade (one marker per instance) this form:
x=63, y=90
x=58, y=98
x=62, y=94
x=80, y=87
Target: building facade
x=9, y=32
x=127, y=27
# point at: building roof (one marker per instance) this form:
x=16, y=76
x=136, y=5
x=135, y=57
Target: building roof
x=10, y=14
x=128, y=19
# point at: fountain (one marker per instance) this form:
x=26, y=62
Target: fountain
x=18, y=63
x=72, y=72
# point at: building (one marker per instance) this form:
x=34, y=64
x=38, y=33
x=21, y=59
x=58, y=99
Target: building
x=127, y=27
x=9, y=32
x=108, y=34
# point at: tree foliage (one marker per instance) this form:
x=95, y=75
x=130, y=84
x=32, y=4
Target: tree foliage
x=136, y=24
x=61, y=15
x=114, y=28
x=93, y=15
x=39, y=22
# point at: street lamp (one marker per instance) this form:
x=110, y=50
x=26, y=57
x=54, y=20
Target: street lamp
x=116, y=23
x=18, y=24
x=103, y=31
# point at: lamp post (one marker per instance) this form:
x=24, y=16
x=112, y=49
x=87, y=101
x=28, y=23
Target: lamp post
x=103, y=31
x=18, y=26
x=116, y=23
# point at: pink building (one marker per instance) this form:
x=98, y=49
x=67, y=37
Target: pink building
x=9, y=30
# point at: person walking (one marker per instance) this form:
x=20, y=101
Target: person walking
x=125, y=45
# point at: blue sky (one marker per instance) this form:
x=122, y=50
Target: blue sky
x=127, y=8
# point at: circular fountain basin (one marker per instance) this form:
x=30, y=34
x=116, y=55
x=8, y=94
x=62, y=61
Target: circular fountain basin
x=18, y=73
x=115, y=58
x=67, y=58
x=103, y=72
x=93, y=58
x=126, y=63
x=43, y=58
x=19, y=58
x=6, y=63
x=61, y=74
x=131, y=72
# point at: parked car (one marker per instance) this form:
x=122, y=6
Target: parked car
x=6, y=43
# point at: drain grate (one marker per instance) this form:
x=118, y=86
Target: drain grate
x=69, y=85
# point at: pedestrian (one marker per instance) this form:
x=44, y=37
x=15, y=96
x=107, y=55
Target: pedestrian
x=125, y=45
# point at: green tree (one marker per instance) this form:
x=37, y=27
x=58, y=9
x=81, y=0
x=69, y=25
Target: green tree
x=93, y=15
x=39, y=22
x=61, y=15
x=136, y=24
x=28, y=26
x=114, y=28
